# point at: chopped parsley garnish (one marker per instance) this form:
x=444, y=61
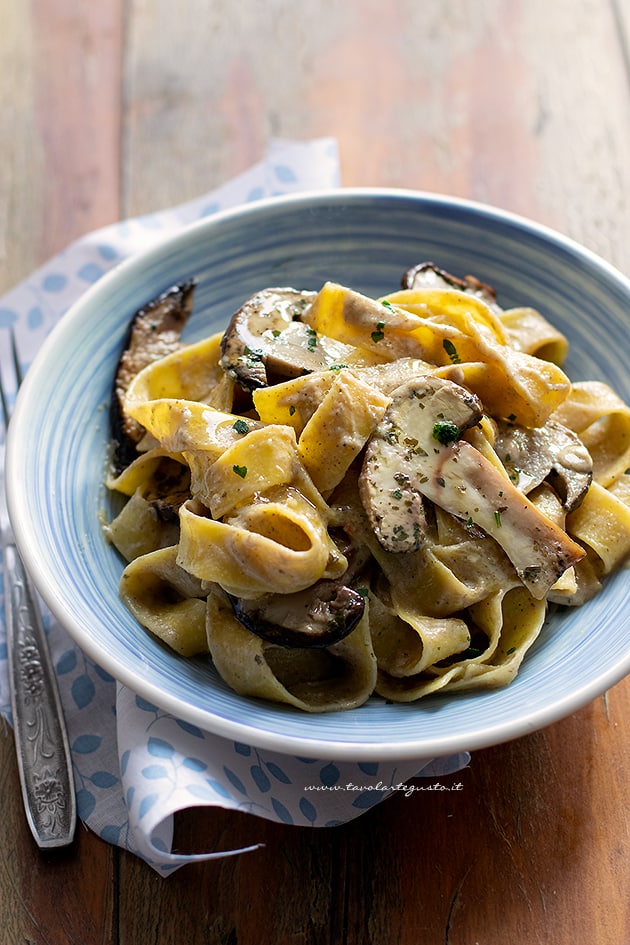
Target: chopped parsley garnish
x=497, y=518
x=472, y=653
x=451, y=351
x=253, y=354
x=396, y=494
x=240, y=470
x=291, y=410
x=379, y=334
x=241, y=426
x=445, y=431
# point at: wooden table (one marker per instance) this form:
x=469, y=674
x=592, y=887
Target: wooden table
x=122, y=107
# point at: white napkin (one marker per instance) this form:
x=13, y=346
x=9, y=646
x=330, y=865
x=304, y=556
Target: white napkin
x=135, y=765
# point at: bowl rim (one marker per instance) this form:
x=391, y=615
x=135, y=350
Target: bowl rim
x=426, y=747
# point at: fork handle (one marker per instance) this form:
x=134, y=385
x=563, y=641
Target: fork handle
x=43, y=752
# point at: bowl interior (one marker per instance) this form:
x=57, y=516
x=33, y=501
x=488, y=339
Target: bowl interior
x=366, y=239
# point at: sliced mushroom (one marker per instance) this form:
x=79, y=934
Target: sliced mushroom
x=266, y=337
x=417, y=450
x=154, y=332
x=428, y=275
x=167, y=489
x=401, y=454
x=319, y=616
x=553, y=453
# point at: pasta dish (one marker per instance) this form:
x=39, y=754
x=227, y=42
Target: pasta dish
x=339, y=496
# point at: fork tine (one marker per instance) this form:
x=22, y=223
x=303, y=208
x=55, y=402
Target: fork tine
x=5, y=405
x=16, y=360
x=6, y=413
x=52, y=820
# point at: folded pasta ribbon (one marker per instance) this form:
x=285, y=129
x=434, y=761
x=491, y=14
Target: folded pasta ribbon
x=259, y=460
x=167, y=600
x=452, y=330
x=277, y=544
x=511, y=621
x=338, y=677
x=192, y=373
x=602, y=421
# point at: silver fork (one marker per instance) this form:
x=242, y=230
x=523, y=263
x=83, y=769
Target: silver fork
x=41, y=741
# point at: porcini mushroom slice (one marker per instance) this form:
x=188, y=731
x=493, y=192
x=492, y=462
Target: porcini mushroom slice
x=154, y=331
x=551, y=452
x=416, y=449
x=428, y=275
x=265, y=336
x=319, y=616
x=401, y=454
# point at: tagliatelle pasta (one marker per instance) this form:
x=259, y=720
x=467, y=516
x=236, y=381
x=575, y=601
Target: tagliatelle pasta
x=340, y=497
x=341, y=676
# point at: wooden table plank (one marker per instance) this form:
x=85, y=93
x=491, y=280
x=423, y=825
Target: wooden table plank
x=58, y=897
x=77, y=61
x=21, y=168
x=59, y=178
x=523, y=851
x=492, y=100
x=59, y=127
x=123, y=108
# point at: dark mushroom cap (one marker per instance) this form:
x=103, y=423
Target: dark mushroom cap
x=428, y=275
x=319, y=616
x=154, y=331
x=265, y=333
x=552, y=453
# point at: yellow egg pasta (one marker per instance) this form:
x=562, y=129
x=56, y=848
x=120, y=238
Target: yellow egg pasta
x=341, y=676
x=341, y=497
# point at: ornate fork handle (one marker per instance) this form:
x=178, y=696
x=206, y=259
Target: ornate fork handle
x=43, y=753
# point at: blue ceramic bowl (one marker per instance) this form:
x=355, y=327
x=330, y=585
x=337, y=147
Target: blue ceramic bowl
x=365, y=239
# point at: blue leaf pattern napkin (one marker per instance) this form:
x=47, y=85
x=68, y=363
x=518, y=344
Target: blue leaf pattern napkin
x=135, y=765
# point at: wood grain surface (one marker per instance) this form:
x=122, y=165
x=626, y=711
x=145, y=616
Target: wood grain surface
x=119, y=108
